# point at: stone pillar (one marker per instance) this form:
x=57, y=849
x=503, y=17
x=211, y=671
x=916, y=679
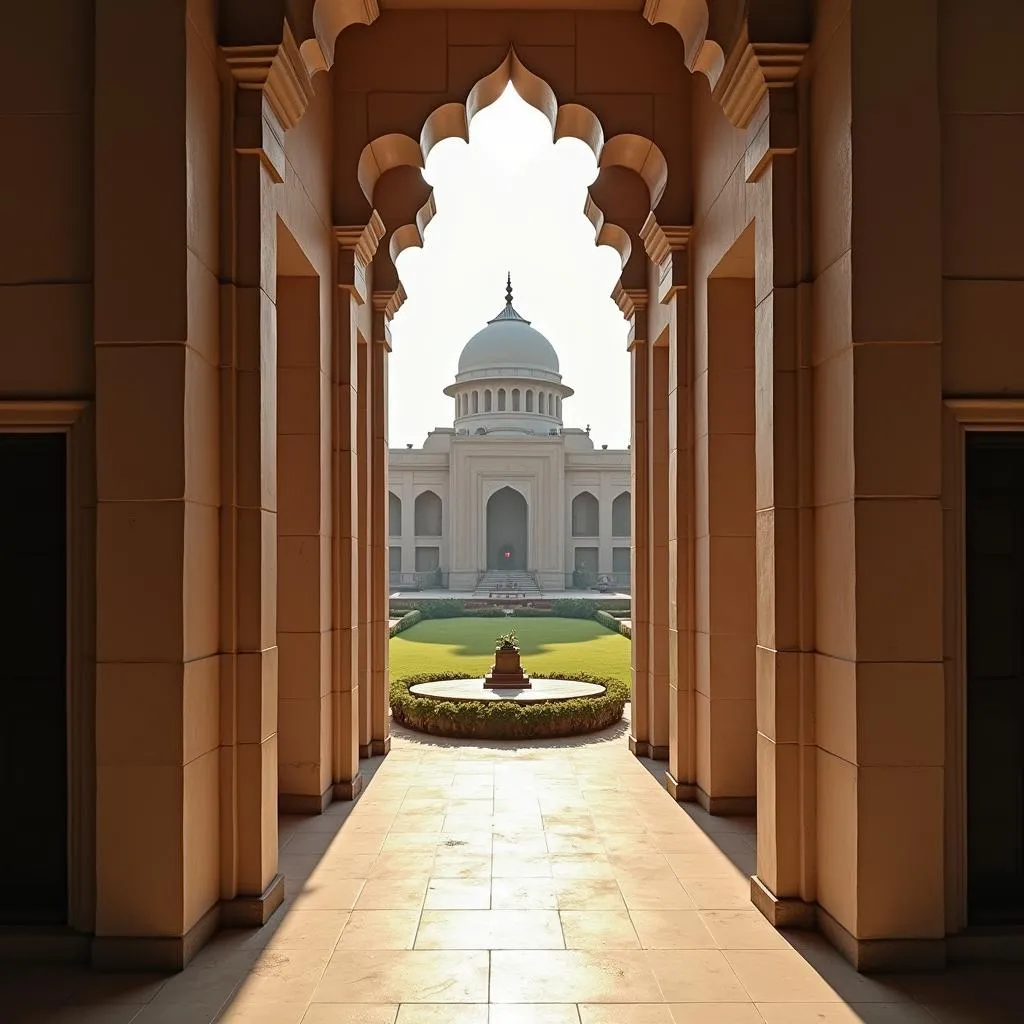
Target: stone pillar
x=657, y=546
x=303, y=551
x=878, y=396
x=668, y=313
x=356, y=246
x=364, y=486
x=726, y=594
x=272, y=89
x=639, y=731
x=380, y=737
x=158, y=846
x=784, y=886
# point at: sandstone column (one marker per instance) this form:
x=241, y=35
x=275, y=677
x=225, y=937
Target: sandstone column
x=639, y=732
x=157, y=871
x=364, y=542
x=667, y=292
x=303, y=551
x=878, y=395
x=657, y=546
x=356, y=246
x=380, y=737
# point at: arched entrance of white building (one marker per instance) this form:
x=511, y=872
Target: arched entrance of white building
x=507, y=530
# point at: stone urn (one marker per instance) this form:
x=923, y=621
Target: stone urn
x=507, y=671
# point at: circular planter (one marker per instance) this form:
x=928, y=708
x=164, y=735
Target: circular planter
x=507, y=719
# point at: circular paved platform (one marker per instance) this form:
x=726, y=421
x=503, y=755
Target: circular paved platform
x=541, y=691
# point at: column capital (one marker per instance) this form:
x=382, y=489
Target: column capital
x=752, y=71
x=385, y=305
x=357, y=245
x=633, y=304
x=668, y=247
x=270, y=79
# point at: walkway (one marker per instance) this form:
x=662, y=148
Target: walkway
x=557, y=883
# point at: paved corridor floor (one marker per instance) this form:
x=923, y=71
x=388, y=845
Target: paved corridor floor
x=554, y=884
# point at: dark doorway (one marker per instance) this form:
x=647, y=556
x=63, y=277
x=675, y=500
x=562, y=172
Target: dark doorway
x=995, y=677
x=33, y=638
x=507, y=519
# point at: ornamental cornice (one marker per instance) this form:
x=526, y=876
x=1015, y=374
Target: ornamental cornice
x=358, y=244
x=661, y=240
x=278, y=71
x=751, y=71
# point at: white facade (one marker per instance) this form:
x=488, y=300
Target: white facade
x=514, y=488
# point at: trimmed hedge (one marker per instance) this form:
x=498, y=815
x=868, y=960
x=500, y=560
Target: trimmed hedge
x=574, y=608
x=407, y=620
x=613, y=624
x=505, y=719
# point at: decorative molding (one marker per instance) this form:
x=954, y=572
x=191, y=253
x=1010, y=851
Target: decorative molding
x=358, y=244
x=690, y=19
x=362, y=239
x=752, y=70
x=276, y=70
x=330, y=19
x=660, y=241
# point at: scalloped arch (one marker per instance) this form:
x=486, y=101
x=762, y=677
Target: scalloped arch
x=573, y=120
x=330, y=19
x=690, y=18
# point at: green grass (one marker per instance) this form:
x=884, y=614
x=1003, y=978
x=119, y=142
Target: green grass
x=549, y=647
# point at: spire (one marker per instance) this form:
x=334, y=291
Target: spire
x=508, y=313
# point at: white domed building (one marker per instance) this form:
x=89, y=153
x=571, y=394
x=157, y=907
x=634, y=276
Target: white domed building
x=508, y=493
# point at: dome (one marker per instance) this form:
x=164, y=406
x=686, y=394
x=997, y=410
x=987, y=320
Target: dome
x=508, y=341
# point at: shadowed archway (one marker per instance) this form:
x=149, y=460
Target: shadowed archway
x=507, y=530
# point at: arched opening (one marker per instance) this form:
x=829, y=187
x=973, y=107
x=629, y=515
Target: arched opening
x=621, y=516
x=558, y=408
x=540, y=402
x=586, y=515
x=476, y=402
x=501, y=399
x=515, y=399
x=507, y=530
x=394, y=515
x=487, y=401
x=529, y=400
x=428, y=515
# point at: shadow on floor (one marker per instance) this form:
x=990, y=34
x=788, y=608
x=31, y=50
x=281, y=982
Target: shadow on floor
x=503, y=883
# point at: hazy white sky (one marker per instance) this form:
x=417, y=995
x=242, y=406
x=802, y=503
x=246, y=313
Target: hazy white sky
x=509, y=201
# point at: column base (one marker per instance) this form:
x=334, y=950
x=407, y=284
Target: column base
x=880, y=955
x=365, y=751
x=781, y=912
x=727, y=806
x=253, y=911
x=639, y=748
x=154, y=953
x=349, y=789
x=681, y=792
x=305, y=803
x=380, y=748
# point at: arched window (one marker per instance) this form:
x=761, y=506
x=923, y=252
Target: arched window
x=427, y=515
x=621, y=516
x=558, y=407
x=487, y=401
x=540, y=402
x=585, y=515
x=476, y=402
x=501, y=399
x=394, y=515
x=529, y=401
x=515, y=399
x=464, y=404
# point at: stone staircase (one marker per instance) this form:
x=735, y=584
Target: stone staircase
x=506, y=583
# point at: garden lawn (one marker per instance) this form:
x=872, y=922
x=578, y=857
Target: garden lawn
x=549, y=647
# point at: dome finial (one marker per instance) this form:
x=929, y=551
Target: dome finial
x=508, y=289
